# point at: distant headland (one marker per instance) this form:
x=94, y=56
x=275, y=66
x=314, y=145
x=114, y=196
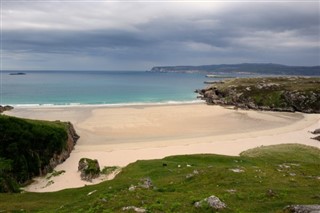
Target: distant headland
x=245, y=68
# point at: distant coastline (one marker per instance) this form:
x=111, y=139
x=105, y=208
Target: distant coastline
x=244, y=68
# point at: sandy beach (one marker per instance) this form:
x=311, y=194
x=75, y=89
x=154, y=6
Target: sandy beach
x=117, y=136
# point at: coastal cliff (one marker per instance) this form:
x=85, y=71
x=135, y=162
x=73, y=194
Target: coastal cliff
x=59, y=158
x=289, y=94
x=31, y=148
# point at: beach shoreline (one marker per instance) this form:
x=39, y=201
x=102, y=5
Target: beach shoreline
x=117, y=136
x=107, y=105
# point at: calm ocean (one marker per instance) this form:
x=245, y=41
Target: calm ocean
x=98, y=87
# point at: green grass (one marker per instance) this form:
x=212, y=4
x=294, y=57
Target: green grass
x=291, y=171
x=107, y=170
x=285, y=83
x=55, y=173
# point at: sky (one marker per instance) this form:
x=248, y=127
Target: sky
x=137, y=35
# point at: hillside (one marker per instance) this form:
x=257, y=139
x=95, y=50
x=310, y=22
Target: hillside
x=264, y=179
x=30, y=148
x=248, y=68
x=276, y=93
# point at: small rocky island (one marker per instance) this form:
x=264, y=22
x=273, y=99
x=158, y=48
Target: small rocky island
x=17, y=73
x=288, y=94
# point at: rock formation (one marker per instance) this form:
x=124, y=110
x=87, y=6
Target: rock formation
x=5, y=108
x=59, y=158
x=213, y=201
x=146, y=183
x=134, y=208
x=316, y=132
x=89, y=169
x=288, y=94
x=302, y=209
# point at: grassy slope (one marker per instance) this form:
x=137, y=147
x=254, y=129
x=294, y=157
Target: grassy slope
x=176, y=193
x=285, y=83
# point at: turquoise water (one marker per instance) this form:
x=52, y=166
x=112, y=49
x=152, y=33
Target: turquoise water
x=98, y=87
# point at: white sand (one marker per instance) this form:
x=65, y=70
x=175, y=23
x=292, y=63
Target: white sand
x=117, y=136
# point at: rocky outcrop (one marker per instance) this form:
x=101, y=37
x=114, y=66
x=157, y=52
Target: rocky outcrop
x=316, y=132
x=146, y=183
x=89, y=169
x=317, y=138
x=134, y=208
x=59, y=158
x=213, y=201
x=288, y=94
x=72, y=136
x=302, y=209
x=5, y=108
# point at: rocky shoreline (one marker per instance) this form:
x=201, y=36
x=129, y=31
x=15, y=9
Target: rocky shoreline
x=288, y=94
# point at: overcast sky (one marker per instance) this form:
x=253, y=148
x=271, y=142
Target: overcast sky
x=109, y=35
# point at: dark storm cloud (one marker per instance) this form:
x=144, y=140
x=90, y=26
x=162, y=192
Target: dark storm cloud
x=140, y=35
x=65, y=41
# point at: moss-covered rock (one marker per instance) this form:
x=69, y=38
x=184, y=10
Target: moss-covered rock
x=89, y=169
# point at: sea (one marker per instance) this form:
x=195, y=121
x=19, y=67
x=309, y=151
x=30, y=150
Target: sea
x=114, y=88
x=69, y=88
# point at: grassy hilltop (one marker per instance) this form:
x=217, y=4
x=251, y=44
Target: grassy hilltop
x=264, y=179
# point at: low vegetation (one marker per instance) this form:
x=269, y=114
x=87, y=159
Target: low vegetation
x=55, y=174
x=272, y=93
x=264, y=179
x=26, y=147
x=107, y=170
